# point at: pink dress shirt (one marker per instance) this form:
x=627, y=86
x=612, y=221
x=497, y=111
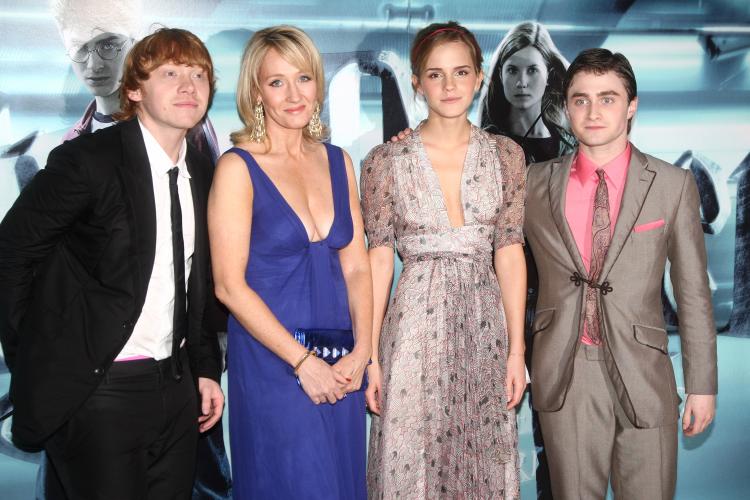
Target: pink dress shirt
x=579, y=200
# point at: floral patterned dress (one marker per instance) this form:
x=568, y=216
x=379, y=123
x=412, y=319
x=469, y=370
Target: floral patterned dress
x=444, y=431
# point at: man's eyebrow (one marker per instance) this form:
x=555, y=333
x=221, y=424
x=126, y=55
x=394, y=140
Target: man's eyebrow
x=598, y=94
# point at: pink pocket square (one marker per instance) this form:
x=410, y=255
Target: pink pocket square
x=648, y=226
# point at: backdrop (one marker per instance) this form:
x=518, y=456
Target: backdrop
x=691, y=61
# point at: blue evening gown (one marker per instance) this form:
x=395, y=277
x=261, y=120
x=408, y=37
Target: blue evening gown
x=282, y=445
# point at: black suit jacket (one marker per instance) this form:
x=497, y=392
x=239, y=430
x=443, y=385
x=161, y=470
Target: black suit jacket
x=76, y=254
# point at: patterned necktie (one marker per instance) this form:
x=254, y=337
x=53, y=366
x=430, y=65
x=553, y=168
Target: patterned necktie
x=178, y=258
x=600, y=238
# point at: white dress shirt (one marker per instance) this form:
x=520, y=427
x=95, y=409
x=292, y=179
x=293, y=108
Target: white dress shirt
x=152, y=335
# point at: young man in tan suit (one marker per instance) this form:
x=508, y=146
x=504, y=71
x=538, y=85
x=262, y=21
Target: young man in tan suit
x=602, y=223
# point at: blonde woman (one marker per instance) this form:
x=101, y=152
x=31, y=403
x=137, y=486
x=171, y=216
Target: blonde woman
x=288, y=252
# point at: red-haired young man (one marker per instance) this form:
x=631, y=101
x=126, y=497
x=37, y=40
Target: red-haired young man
x=104, y=273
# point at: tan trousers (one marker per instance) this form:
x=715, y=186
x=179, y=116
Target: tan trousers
x=590, y=441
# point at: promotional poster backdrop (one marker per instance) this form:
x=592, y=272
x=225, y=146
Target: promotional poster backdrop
x=692, y=63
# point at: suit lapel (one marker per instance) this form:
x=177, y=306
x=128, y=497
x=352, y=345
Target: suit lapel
x=637, y=184
x=558, y=185
x=135, y=171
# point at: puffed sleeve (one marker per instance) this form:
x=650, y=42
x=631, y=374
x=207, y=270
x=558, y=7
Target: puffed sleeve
x=376, y=186
x=509, y=223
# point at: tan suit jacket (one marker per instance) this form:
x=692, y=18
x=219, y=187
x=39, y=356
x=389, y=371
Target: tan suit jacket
x=635, y=349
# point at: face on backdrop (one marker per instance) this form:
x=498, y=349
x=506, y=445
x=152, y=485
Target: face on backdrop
x=288, y=93
x=174, y=98
x=598, y=109
x=524, y=76
x=449, y=80
x=98, y=62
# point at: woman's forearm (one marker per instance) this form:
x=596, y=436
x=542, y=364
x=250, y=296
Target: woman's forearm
x=359, y=292
x=510, y=268
x=255, y=316
x=381, y=263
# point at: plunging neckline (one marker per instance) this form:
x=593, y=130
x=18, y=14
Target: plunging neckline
x=436, y=179
x=290, y=211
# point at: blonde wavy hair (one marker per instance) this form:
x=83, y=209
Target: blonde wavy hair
x=298, y=49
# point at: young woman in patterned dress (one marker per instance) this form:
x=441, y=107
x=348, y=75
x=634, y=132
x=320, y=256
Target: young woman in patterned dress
x=448, y=353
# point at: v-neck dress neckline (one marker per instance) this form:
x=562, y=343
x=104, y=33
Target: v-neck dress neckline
x=293, y=216
x=437, y=192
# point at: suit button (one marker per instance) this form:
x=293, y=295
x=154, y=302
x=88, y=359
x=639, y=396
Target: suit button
x=98, y=371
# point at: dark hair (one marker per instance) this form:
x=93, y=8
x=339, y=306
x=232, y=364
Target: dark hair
x=166, y=45
x=494, y=105
x=600, y=61
x=438, y=33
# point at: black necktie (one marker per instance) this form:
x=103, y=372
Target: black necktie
x=178, y=257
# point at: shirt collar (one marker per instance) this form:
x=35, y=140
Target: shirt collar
x=160, y=161
x=616, y=169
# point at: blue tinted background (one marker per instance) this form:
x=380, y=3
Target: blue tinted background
x=692, y=64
